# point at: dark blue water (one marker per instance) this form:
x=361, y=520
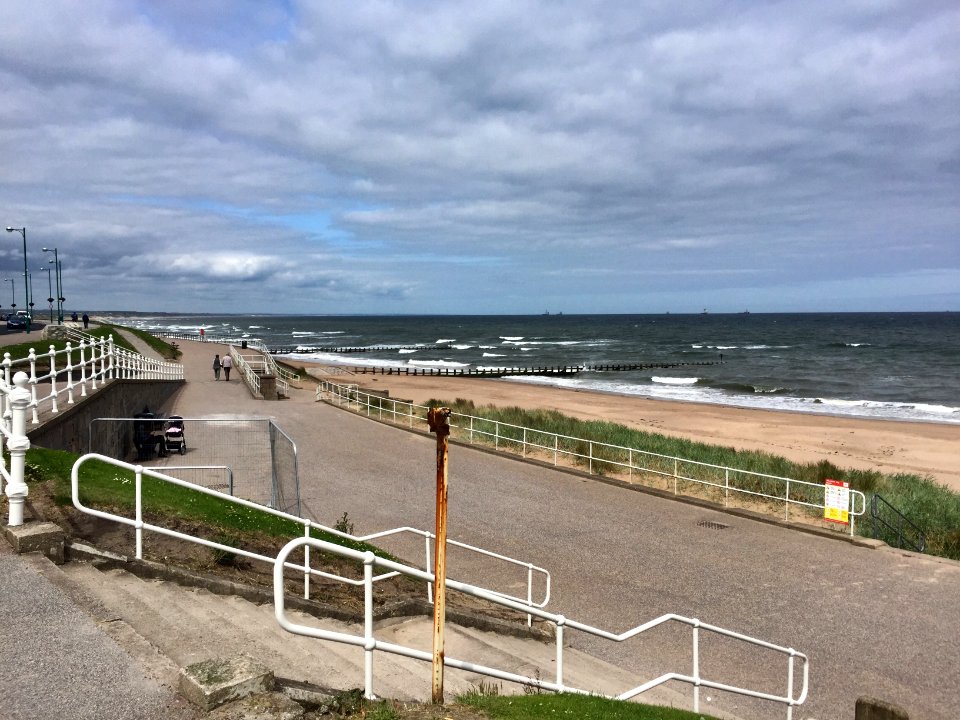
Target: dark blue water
x=885, y=365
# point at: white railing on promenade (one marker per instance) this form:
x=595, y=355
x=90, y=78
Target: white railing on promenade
x=285, y=378
x=78, y=369
x=250, y=375
x=597, y=456
x=370, y=644
x=13, y=434
x=308, y=525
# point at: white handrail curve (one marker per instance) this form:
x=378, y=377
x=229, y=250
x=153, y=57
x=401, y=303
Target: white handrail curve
x=370, y=644
x=308, y=525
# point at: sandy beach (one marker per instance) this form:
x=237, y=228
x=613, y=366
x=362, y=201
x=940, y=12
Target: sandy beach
x=910, y=447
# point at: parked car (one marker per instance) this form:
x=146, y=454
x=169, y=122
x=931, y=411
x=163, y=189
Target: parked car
x=17, y=320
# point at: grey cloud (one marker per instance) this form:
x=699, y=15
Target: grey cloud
x=801, y=139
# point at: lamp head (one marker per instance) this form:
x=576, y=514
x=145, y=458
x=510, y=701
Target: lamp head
x=9, y=229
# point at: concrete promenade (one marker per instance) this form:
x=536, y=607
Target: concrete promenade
x=875, y=622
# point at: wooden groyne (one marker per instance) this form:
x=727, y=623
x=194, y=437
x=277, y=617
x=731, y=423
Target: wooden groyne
x=490, y=372
x=552, y=371
x=347, y=350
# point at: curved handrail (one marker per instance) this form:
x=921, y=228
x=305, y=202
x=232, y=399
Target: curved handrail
x=370, y=644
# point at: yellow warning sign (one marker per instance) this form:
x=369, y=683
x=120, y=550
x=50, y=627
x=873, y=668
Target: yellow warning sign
x=836, y=501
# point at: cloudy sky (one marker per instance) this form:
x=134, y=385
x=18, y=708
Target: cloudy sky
x=483, y=157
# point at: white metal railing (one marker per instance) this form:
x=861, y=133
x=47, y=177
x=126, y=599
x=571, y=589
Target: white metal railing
x=285, y=378
x=81, y=368
x=370, y=644
x=141, y=525
x=596, y=455
x=250, y=375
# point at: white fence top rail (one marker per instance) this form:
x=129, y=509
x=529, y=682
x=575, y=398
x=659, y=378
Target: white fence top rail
x=534, y=439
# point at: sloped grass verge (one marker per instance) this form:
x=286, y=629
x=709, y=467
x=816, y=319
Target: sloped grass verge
x=110, y=488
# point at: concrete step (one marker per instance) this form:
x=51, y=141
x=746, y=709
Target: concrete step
x=190, y=625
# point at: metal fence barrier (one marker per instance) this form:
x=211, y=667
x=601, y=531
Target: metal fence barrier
x=673, y=473
x=262, y=458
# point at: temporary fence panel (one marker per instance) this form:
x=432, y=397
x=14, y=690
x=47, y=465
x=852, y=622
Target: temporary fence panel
x=244, y=445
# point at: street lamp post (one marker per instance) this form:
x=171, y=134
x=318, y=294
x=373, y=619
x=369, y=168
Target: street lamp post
x=13, y=293
x=60, y=299
x=49, y=291
x=26, y=275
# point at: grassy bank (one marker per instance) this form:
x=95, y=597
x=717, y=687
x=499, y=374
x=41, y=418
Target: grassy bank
x=165, y=349
x=22, y=350
x=482, y=703
x=931, y=506
x=105, y=486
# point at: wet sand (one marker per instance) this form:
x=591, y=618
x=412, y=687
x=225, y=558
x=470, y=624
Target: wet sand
x=927, y=449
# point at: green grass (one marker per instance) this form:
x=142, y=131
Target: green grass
x=576, y=707
x=107, y=487
x=933, y=507
x=22, y=350
x=165, y=349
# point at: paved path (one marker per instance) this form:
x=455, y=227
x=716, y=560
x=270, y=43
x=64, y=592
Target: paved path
x=874, y=622
x=58, y=662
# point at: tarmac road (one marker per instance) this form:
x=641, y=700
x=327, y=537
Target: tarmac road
x=875, y=622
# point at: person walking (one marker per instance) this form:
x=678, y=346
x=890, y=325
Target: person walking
x=227, y=363
x=216, y=366
x=86, y=321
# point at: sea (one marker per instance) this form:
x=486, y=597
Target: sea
x=897, y=366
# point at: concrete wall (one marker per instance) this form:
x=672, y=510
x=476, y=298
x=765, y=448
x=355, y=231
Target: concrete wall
x=69, y=430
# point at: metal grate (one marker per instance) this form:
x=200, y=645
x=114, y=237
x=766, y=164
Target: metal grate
x=712, y=525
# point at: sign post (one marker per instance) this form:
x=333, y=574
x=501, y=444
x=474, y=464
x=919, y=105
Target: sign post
x=437, y=419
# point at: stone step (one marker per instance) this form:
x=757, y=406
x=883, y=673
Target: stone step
x=190, y=625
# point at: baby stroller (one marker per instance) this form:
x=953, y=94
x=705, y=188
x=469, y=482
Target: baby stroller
x=173, y=435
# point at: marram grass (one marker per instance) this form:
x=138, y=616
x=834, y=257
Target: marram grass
x=933, y=507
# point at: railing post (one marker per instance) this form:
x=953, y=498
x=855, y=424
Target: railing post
x=69, y=369
x=53, y=379
x=590, y=451
x=561, y=621
x=369, y=643
x=726, y=484
x=786, y=503
x=83, y=369
x=674, y=476
x=306, y=561
x=33, y=385
x=138, y=501
x=696, y=666
x=523, y=451
x=18, y=444
x=112, y=371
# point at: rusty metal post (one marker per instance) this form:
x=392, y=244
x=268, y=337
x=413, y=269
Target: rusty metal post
x=437, y=419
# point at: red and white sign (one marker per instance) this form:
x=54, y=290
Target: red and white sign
x=836, y=501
